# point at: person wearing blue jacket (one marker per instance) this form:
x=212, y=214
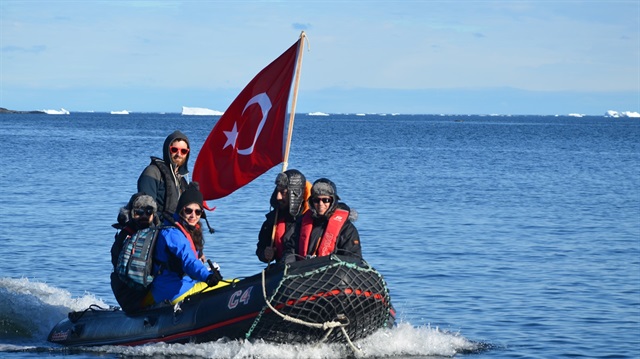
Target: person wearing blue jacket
x=178, y=257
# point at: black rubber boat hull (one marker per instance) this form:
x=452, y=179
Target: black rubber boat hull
x=319, y=290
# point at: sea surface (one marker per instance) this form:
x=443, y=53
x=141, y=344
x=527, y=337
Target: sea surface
x=499, y=236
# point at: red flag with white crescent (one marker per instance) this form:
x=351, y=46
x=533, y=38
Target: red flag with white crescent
x=248, y=139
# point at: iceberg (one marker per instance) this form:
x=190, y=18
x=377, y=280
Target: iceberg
x=199, y=111
x=575, y=115
x=62, y=111
x=123, y=112
x=318, y=114
x=617, y=114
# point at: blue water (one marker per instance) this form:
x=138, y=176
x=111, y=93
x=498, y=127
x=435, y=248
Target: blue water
x=499, y=236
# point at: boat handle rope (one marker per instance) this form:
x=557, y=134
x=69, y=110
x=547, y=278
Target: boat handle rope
x=328, y=326
x=75, y=316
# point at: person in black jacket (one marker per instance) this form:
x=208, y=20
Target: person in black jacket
x=326, y=228
x=165, y=178
x=288, y=203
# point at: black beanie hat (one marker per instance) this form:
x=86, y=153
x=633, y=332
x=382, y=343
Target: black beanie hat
x=191, y=195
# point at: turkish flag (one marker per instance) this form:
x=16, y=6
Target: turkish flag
x=248, y=139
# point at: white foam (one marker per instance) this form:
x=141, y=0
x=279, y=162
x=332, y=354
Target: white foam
x=32, y=308
x=403, y=340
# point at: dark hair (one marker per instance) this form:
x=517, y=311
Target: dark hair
x=197, y=237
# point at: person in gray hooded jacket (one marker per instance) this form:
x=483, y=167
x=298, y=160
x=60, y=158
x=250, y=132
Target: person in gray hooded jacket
x=165, y=178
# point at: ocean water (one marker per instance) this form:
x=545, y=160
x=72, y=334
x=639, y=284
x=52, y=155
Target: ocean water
x=499, y=236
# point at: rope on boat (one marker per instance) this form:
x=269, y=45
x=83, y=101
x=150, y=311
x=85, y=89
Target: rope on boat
x=327, y=326
x=75, y=316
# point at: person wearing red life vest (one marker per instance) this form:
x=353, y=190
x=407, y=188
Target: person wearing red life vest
x=326, y=228
x=288, y=203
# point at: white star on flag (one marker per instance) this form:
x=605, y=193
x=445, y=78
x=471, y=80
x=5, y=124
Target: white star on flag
x=232, y=136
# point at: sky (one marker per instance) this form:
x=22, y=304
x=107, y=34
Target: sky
x=429, y=57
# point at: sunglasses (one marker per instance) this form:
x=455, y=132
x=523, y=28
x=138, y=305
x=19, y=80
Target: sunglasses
x=183, y=151
x=143, y=211
x=188, y=210
x=323, y=200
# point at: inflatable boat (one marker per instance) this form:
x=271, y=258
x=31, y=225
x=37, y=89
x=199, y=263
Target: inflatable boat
x=333, y=299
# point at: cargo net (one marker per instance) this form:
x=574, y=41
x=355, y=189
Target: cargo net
x=310, y=306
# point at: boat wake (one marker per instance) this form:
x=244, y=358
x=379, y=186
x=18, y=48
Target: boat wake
x=29, y=309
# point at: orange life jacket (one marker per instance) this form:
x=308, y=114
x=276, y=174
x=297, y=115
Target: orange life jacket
x=327, y=244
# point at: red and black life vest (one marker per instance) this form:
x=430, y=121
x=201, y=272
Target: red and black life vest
x=327, y=244
x=281, y=228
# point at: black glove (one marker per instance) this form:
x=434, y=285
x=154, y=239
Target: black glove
x=213, y=278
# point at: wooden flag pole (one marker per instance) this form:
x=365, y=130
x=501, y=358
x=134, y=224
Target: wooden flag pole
x=285, y=163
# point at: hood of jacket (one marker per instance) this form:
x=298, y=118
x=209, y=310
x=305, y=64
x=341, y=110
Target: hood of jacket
x=166, y=153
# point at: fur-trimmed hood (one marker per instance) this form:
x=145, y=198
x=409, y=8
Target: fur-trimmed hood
x=139, y=200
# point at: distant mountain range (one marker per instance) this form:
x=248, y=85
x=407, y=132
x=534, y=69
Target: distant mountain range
x=4, y=110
